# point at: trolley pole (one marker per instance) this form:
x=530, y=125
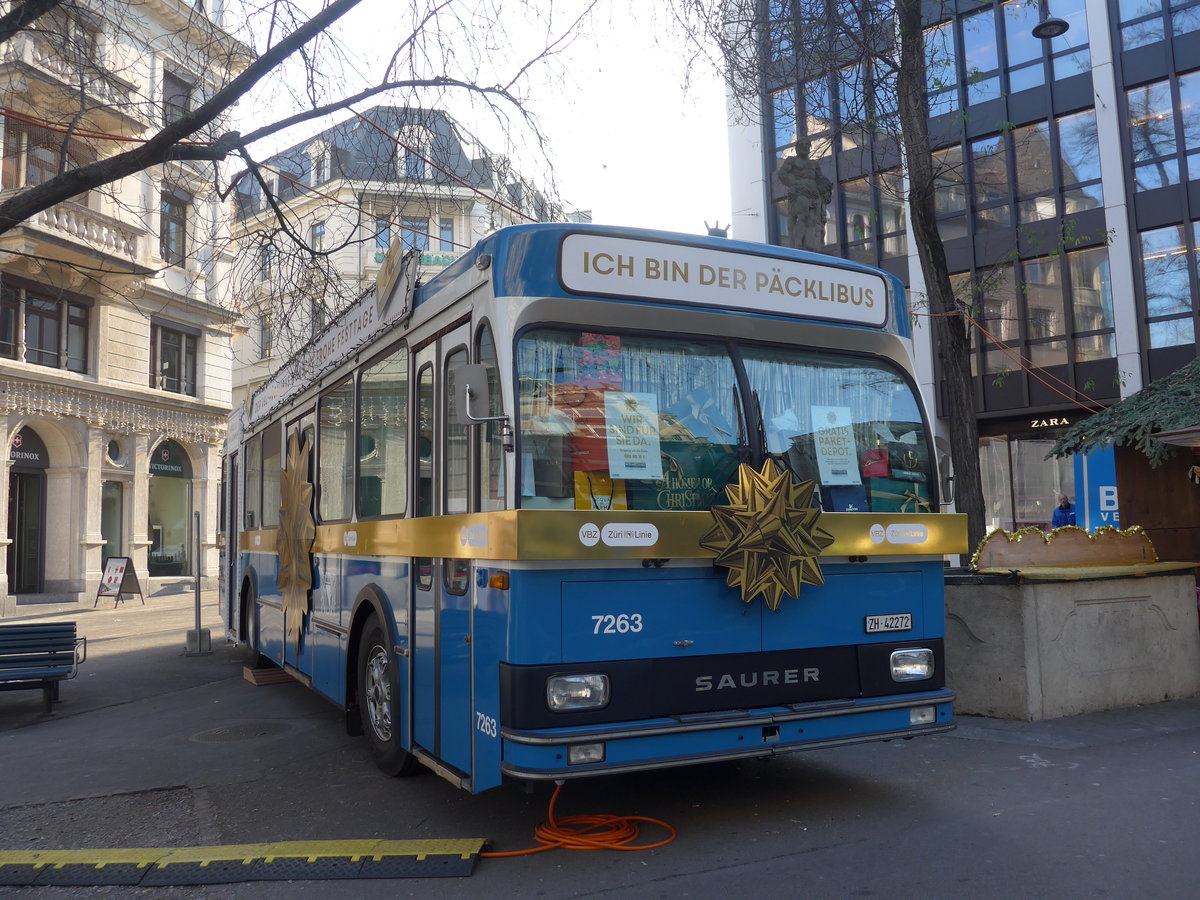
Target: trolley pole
x=199, y=641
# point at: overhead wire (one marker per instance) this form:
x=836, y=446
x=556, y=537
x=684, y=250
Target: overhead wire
x=1023, y=363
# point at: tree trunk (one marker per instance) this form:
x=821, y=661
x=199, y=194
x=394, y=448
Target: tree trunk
x=950, y=327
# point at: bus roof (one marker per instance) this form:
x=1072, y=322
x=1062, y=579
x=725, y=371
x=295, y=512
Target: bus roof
x=644, y=265
x=622, y=264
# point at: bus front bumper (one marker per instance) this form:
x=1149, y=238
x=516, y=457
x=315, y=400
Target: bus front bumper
x=548, y=754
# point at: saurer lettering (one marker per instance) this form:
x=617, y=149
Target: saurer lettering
x=754, y=679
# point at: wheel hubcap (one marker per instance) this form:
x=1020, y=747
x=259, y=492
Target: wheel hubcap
x=378, y=691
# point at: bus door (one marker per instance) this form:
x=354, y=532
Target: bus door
x=304, y=427
x=442, y=596
x=233, y=540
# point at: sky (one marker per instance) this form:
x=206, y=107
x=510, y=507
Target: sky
x=637, y=136
x=632, y=144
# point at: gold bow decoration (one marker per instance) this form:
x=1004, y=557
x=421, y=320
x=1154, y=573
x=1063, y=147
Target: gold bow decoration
x=297, y=531
x=915, y=500
x=767, y=535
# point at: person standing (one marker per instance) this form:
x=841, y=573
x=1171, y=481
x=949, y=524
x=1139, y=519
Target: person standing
x=1064, y=513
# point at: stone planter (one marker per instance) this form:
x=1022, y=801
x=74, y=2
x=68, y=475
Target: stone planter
x=1043, y=649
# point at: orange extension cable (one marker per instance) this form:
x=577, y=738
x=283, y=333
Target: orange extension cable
x=600, y=832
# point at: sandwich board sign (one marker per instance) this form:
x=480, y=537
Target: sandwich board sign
x=118, y=579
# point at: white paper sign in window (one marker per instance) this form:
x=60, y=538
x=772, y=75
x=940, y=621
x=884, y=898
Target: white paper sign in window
x=837, y=454
x=631, y=426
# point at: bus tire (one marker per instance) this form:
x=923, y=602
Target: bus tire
x=377, y=689
x=249, y=630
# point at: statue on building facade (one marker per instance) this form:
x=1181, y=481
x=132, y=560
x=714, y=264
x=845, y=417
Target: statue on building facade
x=808, y=194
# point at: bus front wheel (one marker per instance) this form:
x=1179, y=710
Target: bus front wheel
x=377, y=688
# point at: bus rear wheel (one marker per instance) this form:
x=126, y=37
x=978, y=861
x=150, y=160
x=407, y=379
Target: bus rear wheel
x=377, y=703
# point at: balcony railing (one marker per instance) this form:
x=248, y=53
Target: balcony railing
x=35, y=51
x=97, y=231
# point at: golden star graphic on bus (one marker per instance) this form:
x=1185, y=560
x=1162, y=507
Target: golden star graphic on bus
x=297, y=531
x=767, y=535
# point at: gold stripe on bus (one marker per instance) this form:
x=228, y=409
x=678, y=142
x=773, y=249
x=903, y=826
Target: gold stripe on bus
x=262, y=541
x=537, y=534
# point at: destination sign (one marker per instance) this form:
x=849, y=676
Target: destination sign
x=629, y=267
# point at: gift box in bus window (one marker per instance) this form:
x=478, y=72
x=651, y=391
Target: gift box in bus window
x=696, y=417
x=897, y=495
x=844, y=498
x=875, y=463
x=694, y=477
x=597, y=490
x=584, y=407
x=907, y=462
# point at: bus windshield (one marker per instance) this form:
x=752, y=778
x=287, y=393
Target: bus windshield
x=638, y=422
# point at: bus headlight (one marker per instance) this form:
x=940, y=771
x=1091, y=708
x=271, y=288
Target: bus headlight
x=572, y=692
x=912, y=665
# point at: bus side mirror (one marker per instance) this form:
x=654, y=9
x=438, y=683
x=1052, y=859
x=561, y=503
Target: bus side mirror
x=946, y=478
x=471, y=401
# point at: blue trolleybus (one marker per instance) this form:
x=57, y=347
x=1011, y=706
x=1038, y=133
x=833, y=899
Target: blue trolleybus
x=599, y=500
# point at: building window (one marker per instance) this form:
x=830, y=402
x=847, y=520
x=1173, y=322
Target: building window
x=316, y=236
x=176, y=98
x=413, y=152
x=174, y=205
x=1150, y=21
x=414, y=234
x=1151, y=128
x=52, y=330
x=173, y=359
x=33, y=156
x=266, y=336
x=266, y=263
x=446, y=235
x=1169, y=265
x=316, y=314
x=383, y=234
x=319, y=165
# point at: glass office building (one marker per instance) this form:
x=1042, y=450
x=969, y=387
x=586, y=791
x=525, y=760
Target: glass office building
x=1067, y=194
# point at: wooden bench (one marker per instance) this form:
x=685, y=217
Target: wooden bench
x=39, y=656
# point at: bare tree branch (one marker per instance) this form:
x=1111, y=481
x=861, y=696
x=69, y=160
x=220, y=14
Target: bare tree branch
x=162, y=147
x=22, y=15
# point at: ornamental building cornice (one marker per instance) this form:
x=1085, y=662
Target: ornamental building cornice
x=113, y=413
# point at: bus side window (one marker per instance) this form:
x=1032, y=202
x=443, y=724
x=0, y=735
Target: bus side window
x=425, y=442
x=272, y=463
x=492, y=478
x=454, y=453
x=383, y=437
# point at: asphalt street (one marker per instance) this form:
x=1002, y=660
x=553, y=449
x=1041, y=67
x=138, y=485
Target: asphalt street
x=153, y=748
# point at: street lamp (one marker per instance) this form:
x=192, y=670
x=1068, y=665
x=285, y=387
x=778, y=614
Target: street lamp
x=1050, y=28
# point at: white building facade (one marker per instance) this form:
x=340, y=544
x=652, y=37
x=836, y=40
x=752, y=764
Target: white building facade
x=391, y=175
x=114, y=341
